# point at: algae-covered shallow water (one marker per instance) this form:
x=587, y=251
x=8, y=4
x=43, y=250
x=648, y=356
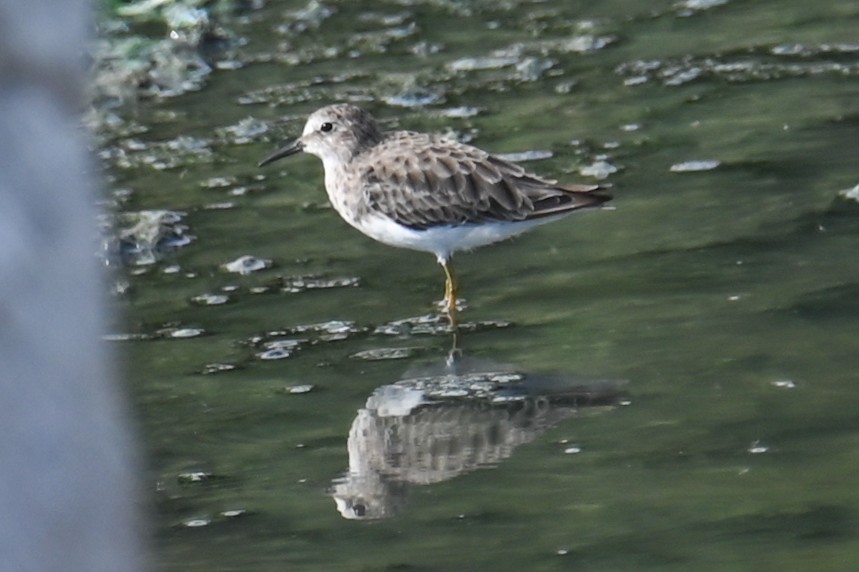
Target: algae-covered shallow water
x=672, y=384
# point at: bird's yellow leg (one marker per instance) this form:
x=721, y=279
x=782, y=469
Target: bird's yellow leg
x=451, y=288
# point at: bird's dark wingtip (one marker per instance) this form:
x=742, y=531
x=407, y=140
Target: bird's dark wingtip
x=573, y=198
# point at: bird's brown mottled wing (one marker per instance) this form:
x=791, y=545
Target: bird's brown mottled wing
x=422, y=181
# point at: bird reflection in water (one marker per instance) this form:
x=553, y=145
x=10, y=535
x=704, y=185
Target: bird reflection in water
x=440, y=422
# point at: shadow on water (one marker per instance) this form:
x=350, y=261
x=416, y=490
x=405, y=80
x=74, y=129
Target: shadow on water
x=447, y=418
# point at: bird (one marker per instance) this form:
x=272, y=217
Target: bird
x=427, y=192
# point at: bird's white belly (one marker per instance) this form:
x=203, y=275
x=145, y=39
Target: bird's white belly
x=441, y=240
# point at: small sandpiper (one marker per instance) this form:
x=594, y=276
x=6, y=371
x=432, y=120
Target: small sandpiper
x=427, y=192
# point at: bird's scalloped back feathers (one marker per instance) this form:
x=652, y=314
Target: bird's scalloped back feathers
x=426, y=180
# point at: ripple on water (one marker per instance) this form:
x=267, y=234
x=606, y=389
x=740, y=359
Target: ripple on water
x=482, y=63
x=210, y=299
x=599, y=169
x=413, y=97
x=182, y=151
x=766, y=63
x=850, y=194
x=335, y=330
x=459, y=112
x=280, y=349
x=295, y=284
x=308, y=18
x=213, y=368
x=300, y=389
x=128, y=67
x=220, y=517
x=247, y=130
x=142, y=238
x=233, y=513
x=246, y=264
x=687, y=8
x=523, y=156
x=190, y=477
x=578, y=44
x=806, y=51
x=434, y=324
x=381, y=354
x=695, y=166
x=757, y=448
x=285, y=342
x=219, y=182
x=178, y=333
x=532, y=68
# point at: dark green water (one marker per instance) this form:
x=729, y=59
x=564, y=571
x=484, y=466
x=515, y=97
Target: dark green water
x=725, y=299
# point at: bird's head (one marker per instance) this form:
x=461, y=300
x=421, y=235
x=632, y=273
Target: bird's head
x=335, y=134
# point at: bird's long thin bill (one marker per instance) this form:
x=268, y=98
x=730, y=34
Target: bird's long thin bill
x=290, y=149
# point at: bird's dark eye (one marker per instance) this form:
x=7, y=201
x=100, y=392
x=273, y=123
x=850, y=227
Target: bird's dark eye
x=326, y=127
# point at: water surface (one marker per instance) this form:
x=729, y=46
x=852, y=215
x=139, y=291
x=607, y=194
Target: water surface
x=719, y=296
